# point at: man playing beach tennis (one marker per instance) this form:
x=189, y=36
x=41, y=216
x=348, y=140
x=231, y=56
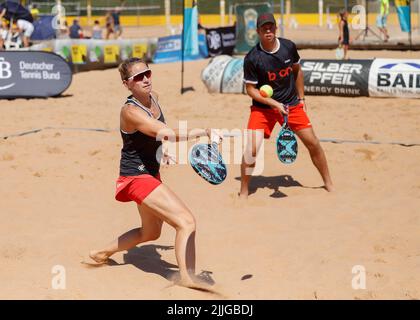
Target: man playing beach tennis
x=141, y=121
x=275, y=61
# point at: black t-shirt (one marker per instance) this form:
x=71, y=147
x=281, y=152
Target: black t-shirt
x=275, y=69
x=16, y=11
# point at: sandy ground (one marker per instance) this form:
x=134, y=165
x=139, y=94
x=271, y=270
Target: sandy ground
x=291, y=240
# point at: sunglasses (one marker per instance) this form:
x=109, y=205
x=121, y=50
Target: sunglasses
x=140, y=76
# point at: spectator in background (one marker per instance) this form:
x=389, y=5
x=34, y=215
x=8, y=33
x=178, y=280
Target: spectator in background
x=34, y=11
x=382, y=17
x=117, y=26
x=9, y=36
x=97, y=30
x=64, y=31
x=109, y=24
x=4, y=30
x=76, y=31
x=344, y=37
x=24, y=22
x=26, y=29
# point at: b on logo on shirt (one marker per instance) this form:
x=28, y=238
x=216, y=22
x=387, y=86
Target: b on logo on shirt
x=282, y=73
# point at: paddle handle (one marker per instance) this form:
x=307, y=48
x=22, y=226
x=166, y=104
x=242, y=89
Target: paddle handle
x=286, y=116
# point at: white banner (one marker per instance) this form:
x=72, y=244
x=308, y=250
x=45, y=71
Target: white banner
x=212, y=75
x=395, y=78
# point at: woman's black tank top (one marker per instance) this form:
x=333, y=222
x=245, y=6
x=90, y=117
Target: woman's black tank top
x=140, y=152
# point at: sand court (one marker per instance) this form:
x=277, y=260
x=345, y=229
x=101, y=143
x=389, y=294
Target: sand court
x=290, y=240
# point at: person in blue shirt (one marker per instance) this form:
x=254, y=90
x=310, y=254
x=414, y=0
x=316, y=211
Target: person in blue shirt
x=96, y=30
x=117, y=26
x=76, y=31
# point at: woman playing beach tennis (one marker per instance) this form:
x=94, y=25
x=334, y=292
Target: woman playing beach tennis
x=141, y=121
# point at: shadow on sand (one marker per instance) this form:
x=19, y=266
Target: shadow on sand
x=273, y=183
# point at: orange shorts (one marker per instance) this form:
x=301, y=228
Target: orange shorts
x=266, y=119
x=136, y=188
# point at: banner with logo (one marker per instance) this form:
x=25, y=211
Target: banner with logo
x=224, y=74
x=33, y=74
x=337, y=78
x=221, y=41
x=404, y=14
x=246, y=24
x=395, y=78
x=91, y=54
x=169, y=49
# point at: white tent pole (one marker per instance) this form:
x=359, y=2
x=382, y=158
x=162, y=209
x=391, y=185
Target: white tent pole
x=418, y=16
x=282, y=18
x=89, y=12
x=168, y=13
x=222, y=13
x=321, y=12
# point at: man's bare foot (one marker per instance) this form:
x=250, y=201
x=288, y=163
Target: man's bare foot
x=98, y=256
x=243, y=195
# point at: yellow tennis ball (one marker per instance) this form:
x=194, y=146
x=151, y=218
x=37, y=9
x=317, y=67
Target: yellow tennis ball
x=266, y=91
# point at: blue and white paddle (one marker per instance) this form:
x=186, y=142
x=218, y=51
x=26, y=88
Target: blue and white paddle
x=287, y=147
x=207, y=161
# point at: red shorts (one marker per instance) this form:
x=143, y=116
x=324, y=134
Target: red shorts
x=136, y=188
x=266, y=119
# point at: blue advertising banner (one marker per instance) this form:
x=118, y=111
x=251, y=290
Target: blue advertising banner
x=33, y=74
x=169, y=49
x=404, y=18
x=404, y=12
x=43, y=29
x=191, y=30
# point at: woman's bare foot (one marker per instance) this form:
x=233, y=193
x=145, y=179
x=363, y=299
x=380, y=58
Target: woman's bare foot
x=99, y=257
x=195, y=284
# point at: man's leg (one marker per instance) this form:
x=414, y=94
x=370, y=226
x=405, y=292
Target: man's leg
x=313, y=145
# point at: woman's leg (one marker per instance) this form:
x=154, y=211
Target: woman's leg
x=168, y=207
x=150, y=230
x=254, y=141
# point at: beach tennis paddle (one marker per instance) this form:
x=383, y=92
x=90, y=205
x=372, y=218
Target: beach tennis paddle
x=339, y=53
x=287, y=147
x=208, y=163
